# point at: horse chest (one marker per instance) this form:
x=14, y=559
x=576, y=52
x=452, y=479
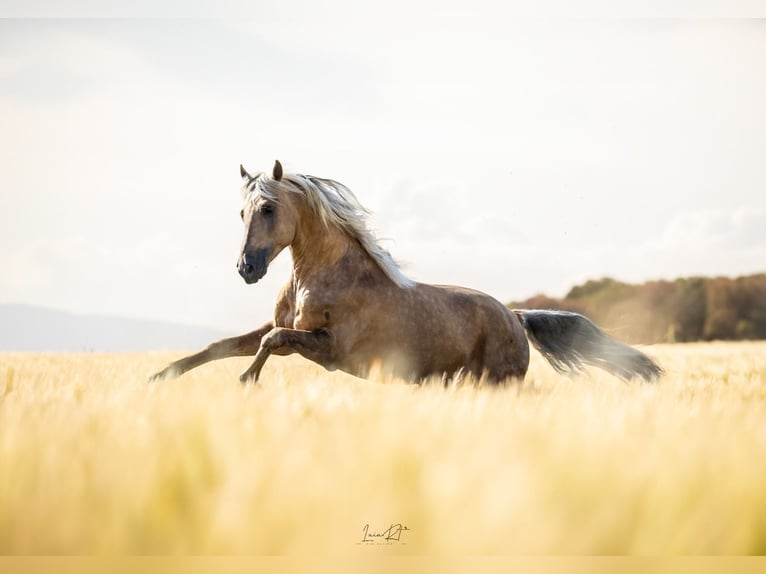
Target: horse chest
x=313, y=310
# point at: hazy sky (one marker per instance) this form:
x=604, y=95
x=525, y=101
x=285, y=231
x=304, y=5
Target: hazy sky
x=512, y=155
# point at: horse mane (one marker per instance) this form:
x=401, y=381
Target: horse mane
x=335, y=204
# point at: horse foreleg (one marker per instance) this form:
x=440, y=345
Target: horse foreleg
x=247, y=344
x=317, y=346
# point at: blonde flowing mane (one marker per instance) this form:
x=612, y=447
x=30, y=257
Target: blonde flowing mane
x=335, y=204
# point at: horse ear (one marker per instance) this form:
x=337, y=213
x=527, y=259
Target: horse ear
x=243, y=172
x=277, y=172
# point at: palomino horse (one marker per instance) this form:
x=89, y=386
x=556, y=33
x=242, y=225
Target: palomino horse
x=348, y=306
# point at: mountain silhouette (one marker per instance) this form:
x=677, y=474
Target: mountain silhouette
x=31, y=328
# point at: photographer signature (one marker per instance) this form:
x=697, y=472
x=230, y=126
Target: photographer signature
x=392, y=534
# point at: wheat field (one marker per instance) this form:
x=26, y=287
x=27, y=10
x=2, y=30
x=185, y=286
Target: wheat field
x=94, y=460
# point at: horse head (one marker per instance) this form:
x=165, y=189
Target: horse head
x=270, y=223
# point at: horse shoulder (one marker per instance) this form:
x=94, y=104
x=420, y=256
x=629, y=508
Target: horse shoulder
x=328, y=303
x=308, y=315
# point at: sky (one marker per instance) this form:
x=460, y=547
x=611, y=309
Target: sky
x=514, y=155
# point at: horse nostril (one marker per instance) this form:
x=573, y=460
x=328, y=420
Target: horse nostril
x=245, y=269
x=252, y=266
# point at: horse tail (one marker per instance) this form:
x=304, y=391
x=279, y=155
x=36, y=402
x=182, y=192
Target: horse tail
x=569, y=341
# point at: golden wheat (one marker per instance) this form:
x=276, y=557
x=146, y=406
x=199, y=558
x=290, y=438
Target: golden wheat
x=93, y=459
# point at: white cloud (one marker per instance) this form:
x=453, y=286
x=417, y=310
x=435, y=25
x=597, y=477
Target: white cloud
x=722, y=229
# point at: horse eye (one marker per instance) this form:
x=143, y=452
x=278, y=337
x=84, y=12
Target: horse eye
x=242, y=214
x=267, y=209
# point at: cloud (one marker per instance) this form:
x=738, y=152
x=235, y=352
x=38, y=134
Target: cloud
x=723, y=228
x=43, y=61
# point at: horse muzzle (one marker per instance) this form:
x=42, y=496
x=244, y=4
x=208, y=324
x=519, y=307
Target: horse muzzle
x=253, y=266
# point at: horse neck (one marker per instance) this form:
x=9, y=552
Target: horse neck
x=317, y=246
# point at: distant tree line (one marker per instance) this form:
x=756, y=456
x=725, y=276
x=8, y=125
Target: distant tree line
x=688, y=309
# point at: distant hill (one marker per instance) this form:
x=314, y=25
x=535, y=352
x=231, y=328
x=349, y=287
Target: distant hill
x=29, y=328
x=688, y=309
